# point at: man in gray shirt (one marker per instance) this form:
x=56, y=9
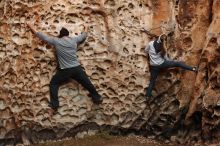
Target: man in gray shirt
x=69, y=66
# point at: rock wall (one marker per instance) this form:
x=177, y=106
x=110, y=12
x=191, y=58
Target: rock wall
x=186, y=107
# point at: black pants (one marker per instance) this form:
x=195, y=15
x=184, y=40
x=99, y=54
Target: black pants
x=64, y=75
x=154, y=71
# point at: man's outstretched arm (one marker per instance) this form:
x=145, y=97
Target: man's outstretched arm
x=42, y=36
x=82, y=37
x=32, y=28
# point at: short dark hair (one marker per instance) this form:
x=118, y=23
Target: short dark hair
x=159, y=46
x=63, y=32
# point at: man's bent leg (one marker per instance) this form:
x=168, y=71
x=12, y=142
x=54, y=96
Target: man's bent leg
x=170, y=64
x=57, y=79
x=81, y=77
x=153, y=77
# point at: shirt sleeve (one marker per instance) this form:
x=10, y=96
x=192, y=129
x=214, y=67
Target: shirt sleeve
x=81, y=38
x=46, y=38
x=147, y=48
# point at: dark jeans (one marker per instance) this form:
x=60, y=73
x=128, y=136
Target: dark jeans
x=154, y=71
x=63, y=75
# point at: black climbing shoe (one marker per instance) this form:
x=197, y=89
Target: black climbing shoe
x=97, y=101
x=152, y=100
x=52, y=106
x=149, y=98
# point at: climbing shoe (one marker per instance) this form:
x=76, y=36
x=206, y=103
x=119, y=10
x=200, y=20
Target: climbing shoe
x=52, y=106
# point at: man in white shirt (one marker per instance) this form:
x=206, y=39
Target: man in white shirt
x=158, y=60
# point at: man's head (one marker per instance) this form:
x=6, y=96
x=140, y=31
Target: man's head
x=63, y=32
x=162, y=38
x=159, y=44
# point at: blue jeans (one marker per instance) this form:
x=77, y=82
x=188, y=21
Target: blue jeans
x=154, y=71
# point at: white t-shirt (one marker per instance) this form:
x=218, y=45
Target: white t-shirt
x=155, y=58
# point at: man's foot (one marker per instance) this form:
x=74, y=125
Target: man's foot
x=97, y=101
x=195, y=69
x=52, y=106
x=151, y=100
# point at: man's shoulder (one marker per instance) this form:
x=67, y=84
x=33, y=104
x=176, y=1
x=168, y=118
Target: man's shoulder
x=64, y=38
x=151, y=43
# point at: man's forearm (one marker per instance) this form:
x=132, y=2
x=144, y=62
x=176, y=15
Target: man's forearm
x=32, y=28
x=86, y=29
x=42, y=36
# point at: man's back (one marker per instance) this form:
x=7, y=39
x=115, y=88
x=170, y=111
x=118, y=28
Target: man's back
x=66, y=48
x=155, y=58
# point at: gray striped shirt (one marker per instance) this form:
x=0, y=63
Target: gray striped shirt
x=66, y=48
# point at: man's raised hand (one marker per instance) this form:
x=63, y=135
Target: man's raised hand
x=31, y=27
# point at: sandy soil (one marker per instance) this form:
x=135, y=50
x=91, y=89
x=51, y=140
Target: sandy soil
x=107, y=141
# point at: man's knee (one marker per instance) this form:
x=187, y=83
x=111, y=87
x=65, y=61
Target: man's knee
x=53, y=82
x=178, y=63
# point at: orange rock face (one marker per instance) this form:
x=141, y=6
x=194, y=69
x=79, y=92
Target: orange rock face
x=187, y=105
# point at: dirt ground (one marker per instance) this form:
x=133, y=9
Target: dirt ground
x=107, y=141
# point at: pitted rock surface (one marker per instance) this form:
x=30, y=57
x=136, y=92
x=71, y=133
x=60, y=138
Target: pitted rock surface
x=187, y=104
